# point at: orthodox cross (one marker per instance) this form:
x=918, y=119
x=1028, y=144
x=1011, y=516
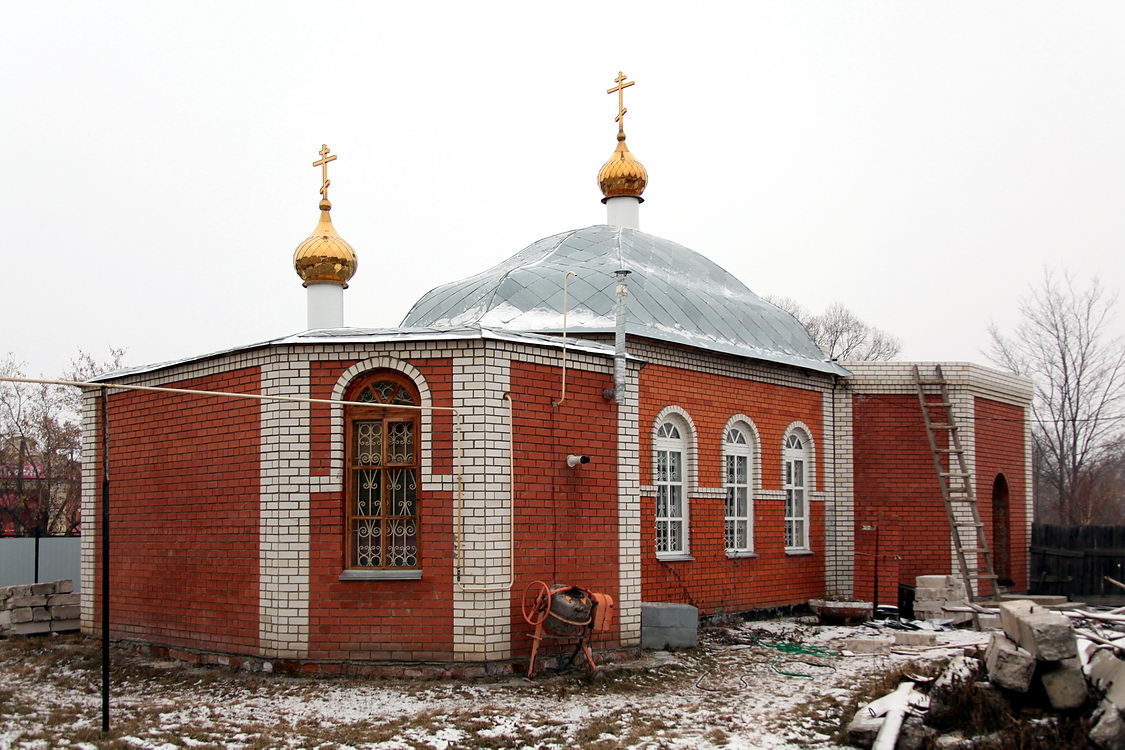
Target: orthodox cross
x=323, y=164
x=620, y=89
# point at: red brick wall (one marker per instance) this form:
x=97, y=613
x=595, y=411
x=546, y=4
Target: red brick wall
x=566, y=519
x=1001, y=450
x=712, y=581
x=896, y=488
x=184, y=515
x=407, y=620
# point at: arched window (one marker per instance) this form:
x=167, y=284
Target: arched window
x=738, y=460
x=671, y=447
x=795, y=456
x=383, y=446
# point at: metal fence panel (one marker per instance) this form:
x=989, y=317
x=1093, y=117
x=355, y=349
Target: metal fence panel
x=59, y=559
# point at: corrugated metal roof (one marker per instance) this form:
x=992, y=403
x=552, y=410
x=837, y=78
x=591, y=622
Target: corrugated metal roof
x=675, y=295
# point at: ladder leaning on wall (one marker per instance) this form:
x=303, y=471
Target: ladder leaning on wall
x=956, y=482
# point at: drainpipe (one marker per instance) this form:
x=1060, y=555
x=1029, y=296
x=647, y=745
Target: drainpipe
x=619, y=338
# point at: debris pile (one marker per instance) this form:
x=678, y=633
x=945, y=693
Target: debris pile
x=1046, y=679
x=38, y=608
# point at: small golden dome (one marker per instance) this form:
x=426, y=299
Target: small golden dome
x=325, y=257
x=622, y=175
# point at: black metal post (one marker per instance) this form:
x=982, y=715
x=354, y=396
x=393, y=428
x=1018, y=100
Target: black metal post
x=105, y=558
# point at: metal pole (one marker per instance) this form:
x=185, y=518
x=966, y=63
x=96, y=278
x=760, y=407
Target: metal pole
x=105, y=558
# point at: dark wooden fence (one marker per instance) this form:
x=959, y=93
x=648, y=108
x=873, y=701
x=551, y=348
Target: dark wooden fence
x=1074, y=560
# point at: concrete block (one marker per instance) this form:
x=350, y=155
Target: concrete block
x=666, y=615
x=932, y=581
x=31, y=628
x=915, y=638
x=1008, y=665
x=40, y=614
x=23, y=614
x=1048, y=636
x=863, y=728
x=65, y=613
x=65, y=586
x=989, y=622
x=65, y=626
x=869, y=645
x=1109, y=731
x=1065, y=684
x=5, y=618
x=1010, y=612
x=63, y=599
x=29, y=601
x=656, y=638
x=42, y=589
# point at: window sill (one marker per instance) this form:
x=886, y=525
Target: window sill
x=741, y=554
x=799, y=552
x=674, y=558
x=381, y=575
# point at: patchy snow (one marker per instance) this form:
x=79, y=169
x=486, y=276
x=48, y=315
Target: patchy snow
x=775, y=684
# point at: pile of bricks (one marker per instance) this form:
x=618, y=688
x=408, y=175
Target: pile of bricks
x=933, y=593
x=37, y=608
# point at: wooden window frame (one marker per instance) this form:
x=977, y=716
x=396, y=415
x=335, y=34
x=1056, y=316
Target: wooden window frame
x=791, y=456
x=736, y=451
x=384, y=414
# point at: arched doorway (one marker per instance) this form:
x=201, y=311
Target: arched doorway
x=1001, y=531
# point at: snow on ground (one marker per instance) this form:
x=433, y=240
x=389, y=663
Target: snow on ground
x=765, y=684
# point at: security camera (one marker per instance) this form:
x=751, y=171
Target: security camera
x=574, y=460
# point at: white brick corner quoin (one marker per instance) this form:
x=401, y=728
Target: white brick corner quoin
x=283, y=525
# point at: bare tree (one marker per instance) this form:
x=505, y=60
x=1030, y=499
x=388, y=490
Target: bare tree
x=1064, y=343
x=39, y=448
x=840, y=334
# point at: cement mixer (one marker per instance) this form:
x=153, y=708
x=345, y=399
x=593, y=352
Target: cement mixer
x=562, y=612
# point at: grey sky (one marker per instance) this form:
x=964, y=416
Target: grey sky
x=920, y=162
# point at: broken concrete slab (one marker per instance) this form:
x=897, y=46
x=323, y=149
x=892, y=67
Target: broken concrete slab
x=1065, y=684
x=1043, y=600
x=1048, y=636
x=915, y=638
x=1008, y=665
x=63, y=599
x=868, y=644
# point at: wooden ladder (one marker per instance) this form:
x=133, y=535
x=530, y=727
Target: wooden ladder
x=956, y=485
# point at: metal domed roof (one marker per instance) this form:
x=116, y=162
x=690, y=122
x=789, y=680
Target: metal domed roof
x=675, y=295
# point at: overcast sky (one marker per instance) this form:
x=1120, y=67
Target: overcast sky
x=920, y=162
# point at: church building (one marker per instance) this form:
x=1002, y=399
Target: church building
x=605, y=408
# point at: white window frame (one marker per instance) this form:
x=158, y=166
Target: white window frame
x=795, y=480
x=669, y=448
x=738, y=447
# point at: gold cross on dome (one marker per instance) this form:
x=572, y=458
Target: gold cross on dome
x=323, y=164
x=622, y=84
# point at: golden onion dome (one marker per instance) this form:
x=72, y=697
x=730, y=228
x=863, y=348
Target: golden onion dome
x=622, y=175
x=325, y=258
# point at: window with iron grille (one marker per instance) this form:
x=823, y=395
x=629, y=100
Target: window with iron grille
x=383, y=446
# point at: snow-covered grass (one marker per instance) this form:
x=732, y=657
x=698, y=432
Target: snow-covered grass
x=730, y=692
